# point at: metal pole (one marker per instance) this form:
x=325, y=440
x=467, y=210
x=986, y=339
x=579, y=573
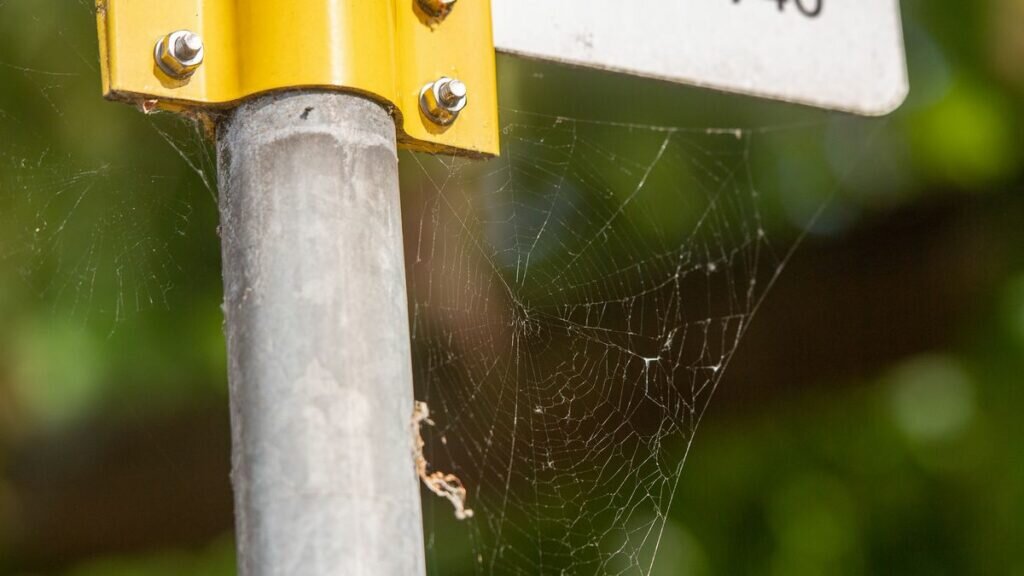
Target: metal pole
x=318, y=339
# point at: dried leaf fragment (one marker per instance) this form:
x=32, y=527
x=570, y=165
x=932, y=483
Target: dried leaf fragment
x=444, y=485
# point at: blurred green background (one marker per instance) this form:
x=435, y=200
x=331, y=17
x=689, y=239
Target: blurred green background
x=870, y=423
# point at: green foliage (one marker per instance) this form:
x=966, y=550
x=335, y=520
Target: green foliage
x=110, y=291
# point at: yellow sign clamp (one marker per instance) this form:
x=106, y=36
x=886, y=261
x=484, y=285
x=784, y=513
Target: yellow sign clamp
x=430, y=61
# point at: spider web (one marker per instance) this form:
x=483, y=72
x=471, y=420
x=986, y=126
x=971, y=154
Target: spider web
x=130, y=252
x=574, y=305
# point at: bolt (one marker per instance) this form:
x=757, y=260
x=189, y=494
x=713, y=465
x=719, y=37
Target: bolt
x=437, y=8
x=188, y=46
x=452, y=93
x=443, y=99
x=179, y=53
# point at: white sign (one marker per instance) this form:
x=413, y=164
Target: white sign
x=841, y=54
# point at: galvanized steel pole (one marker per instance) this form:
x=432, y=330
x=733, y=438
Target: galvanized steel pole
x=318, y=339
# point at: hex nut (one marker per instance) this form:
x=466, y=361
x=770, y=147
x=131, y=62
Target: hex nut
x=179, y=53
x=437, y=8
x=443, y=99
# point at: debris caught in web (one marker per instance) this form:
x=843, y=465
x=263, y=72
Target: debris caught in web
x=444, y=485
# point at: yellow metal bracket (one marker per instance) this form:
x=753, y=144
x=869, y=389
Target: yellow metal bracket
x=385, y=49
